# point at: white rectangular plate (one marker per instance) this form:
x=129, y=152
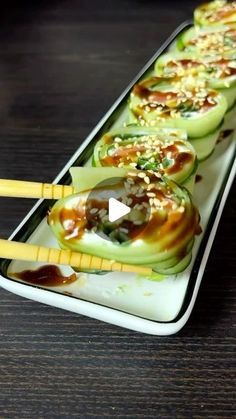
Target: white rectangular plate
x=126, y=300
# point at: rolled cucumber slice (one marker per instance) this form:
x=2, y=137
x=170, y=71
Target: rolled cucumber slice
x=173, y=270
x=164, y=150
x=230, y=119
x=215, y=13
x=208, y=40
x=230, y=96
x=168, y=234
x=187, y=105
x=204, y=146
x=218, y=71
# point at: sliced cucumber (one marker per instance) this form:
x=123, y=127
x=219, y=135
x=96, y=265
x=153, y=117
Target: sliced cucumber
x=174, y=113
x=179, y=267
x=204, y=146
x=158, y=242
x=208, y=40
x=230, y=119
x=218, y=71
x=150, y=146
x=230, y=96
x=215, y=13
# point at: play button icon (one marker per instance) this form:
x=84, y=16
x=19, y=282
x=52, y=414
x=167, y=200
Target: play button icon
x=117, y=210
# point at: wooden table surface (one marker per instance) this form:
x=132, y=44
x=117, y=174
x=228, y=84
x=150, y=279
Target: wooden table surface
x=62, y=65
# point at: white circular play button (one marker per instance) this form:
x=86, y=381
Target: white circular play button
x=117, y=210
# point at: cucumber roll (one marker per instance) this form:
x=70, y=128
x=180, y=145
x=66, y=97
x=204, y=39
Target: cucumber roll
x=208, y=40
x=215, y=13
x=165, y=150
x=164, y=242
x=219, y=71
x=186, y=104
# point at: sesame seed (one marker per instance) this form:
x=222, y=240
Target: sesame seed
x=157, y=202
x=152, y=123
x=151, y=201
x=93, y=210
x=138, y=222
x=129, y=201
x=142, y=175
x=102, y=212
x=130, y=181
x=140, y=190
x=146, y=179
x=124, y=230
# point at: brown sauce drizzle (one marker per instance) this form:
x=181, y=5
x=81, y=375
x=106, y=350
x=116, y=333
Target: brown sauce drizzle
x=123, y=154
x=223, y=65
x=158, y=99
x=190, y=228
x=198, y=178
x=226, y=72
x=152, y=96
x=184, y=63
x=127, y=155
x=76, y=218
x=230, y=33
x=48, y=276
x=160, y=224
x=224, y=12
x=223, y=135
x=180, y=160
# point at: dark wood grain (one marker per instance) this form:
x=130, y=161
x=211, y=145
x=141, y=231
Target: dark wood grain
x=62, y=64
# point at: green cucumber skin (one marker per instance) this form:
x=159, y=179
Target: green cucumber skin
x=137, y=252
x=226, y=86
x=183, y=39
x=186, y=175
x=230, y=119
x=195, y=125
x=174, y=262
x=205, y=146
x=202, y=21
x=178, y=44
x=134, y=253
x=179, y=267
x=136, y=130
x=230, y=95
x=86, y=178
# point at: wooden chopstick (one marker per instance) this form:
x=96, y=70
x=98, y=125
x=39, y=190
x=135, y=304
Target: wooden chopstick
x=24, y=189
x=34, y=253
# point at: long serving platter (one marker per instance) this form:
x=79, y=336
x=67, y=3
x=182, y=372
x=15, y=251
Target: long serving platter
x=154, y=307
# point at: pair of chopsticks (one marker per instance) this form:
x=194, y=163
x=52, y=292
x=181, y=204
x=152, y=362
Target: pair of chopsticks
x=29, y=252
